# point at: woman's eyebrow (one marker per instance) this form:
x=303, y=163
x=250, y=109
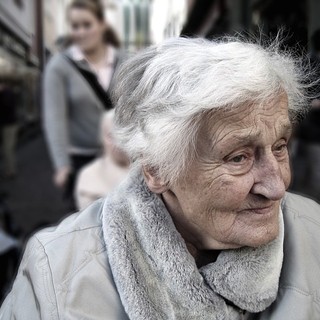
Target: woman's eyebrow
x=250, y=138
x=241, y=140
x=286, y=129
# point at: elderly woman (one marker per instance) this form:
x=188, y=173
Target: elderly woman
x=202, y=228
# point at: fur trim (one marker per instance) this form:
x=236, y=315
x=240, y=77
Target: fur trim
x=157, y=277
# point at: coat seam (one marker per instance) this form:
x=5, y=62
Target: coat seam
x=51, y=276
x=301, y=291
x=298, y=215
x=62, y=234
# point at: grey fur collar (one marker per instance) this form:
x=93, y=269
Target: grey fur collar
x=156, y=276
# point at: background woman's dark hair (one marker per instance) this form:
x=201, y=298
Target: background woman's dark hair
x=97, y=9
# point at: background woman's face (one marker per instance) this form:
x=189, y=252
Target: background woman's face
x=231, y=194
x=86, y=29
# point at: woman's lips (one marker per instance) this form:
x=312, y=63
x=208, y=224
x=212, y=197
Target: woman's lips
x=263, y=210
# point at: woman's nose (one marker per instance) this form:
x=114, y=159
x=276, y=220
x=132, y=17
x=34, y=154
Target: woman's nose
x=268, y=178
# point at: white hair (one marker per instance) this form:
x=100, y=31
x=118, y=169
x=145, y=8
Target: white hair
x=162, y=93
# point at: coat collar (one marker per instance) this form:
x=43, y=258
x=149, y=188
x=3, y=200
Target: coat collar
x=156, y=276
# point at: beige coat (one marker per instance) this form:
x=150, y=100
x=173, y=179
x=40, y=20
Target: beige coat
x=65, y=272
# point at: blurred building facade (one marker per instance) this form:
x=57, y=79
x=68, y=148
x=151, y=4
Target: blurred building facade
x=140, y=23
x=167, y=19
x=21, y=54
x=54, y=22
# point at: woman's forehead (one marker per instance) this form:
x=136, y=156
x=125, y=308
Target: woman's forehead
x=248, y=124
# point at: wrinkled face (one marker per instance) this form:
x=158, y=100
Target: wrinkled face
x=86, y=29
x=231, y=194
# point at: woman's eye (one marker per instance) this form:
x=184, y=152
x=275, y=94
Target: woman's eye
x=281, y=148
x=241, y=163
x=239, y=159
x=87, y=25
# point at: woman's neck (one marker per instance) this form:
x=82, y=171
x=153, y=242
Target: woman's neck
x=194, y=244
x=96, y=55
x=202, y=257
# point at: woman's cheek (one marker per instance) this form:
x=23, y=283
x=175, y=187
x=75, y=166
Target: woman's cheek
x=233, y=190
x=286, y=174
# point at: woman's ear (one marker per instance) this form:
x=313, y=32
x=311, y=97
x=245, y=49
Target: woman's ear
x=154, y=183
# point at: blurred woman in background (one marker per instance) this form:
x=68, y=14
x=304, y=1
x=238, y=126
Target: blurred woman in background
x=76, y=87
x=102, y=175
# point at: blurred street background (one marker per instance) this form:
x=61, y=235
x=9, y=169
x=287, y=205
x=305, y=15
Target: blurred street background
x=31, y=31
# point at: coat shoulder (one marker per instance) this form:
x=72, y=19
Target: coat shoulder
x=64, y=272
x=79, y=230
x=301, y=268
x=298, y=207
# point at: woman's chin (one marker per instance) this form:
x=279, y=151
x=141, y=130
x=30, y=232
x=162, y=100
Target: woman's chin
x=260, y=236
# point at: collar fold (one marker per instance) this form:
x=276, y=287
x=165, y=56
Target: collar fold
x=156, y=276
